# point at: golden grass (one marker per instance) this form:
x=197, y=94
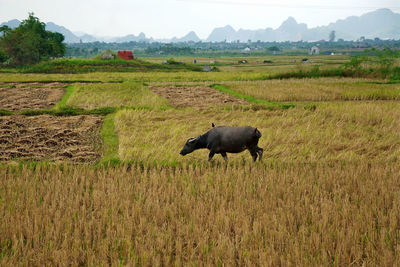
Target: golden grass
x=322, y=89
x=347, y=131
x=295, y=214
x=127, y=94
x=134, y=76
x=326, y=194
x=275, y=68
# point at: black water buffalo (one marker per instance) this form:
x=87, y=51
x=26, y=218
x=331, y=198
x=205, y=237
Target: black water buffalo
x=225, y=139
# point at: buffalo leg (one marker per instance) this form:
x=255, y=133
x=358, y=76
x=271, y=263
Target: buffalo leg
x=253, y=154
x=211, y=155
x=260, y=153
x=223, y=154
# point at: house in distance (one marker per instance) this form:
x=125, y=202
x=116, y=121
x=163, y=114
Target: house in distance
x=125, y=55
x=314, y=50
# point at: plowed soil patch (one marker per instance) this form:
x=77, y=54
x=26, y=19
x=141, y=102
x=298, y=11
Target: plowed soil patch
x=195, y=96
x=47, y=137
x=20, y=96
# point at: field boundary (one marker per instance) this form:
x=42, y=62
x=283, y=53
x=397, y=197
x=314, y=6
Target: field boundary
x=68, y=111
x=110, y=142
x=268, y=104
x=69, y=90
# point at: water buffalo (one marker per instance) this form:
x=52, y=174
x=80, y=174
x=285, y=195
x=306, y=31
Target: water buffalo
x=225, y=139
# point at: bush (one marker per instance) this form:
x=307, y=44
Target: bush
x=172, y=61
x=382, y=65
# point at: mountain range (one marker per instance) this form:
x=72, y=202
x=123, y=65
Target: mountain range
x=382, y=23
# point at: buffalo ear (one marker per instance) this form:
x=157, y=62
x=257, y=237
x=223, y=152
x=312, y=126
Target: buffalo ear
x=212, y=124
x=193, y=140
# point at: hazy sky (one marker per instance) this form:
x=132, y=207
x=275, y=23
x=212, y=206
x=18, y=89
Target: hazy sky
x=168, y=18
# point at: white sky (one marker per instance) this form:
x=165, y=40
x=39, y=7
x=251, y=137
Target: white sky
x=168, y=18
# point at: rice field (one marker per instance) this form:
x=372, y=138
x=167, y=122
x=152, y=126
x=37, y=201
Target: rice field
x=322, y=89
x=350, y=132
x=325, y=194
x=126, y=94
x=280, y=214
x=135, y=77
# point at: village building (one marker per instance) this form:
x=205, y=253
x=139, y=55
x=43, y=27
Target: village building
x=246, y=50
x=314, y=50
x=125, y=55
x=107, y=55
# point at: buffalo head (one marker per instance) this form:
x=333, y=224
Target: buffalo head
x=190, y=146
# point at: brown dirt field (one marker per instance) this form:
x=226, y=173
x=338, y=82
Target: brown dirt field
x=20, y=96
x=195, y=96
x=47, y=137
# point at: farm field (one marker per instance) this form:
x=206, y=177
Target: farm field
x=351, y=132
x=270, y=64
x=195, y=96
x=46, y=137
x=322, y=89
x=112, y=189
x=18, y=96
x=126, y=94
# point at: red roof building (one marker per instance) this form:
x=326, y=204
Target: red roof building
x=125, y=55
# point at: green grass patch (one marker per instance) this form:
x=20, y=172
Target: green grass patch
x=271, y=105
x=110, y=142
x=4, y=112
x=69, y=111
x=63, y=102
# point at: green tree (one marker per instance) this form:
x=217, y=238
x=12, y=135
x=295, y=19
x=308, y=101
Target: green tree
x=273, y=49
x=30, y=43
x=3, y=56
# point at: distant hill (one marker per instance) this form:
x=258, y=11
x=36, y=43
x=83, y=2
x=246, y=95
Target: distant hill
x=382, y=23
x=190, y=37
x=85, y=38
x=226, y=33
x=130, y=38
x=50, y=26
x=12, y=23
x=69, y=36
